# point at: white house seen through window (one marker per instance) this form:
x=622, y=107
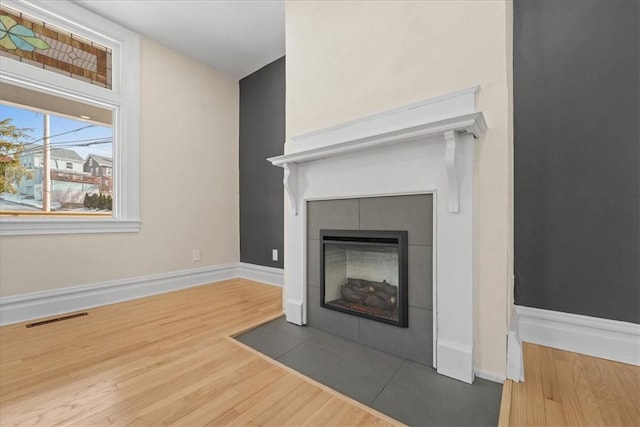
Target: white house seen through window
x=59, y=144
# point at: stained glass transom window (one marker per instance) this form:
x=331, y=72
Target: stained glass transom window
x=37, y=43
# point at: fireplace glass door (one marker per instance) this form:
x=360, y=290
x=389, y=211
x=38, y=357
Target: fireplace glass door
x=364, y=273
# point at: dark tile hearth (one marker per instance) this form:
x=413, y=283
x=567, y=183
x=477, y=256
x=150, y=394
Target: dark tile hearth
x=405, y=390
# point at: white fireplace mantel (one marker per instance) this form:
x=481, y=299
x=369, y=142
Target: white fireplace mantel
x=365, y=134
x=422, y=148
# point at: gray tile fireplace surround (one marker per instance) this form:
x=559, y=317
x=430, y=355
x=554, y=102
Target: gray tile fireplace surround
x=413, y=213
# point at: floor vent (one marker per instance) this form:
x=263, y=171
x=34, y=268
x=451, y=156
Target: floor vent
x=57, y=319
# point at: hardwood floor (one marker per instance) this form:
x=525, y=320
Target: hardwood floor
x=166, y=359
x=569, y=389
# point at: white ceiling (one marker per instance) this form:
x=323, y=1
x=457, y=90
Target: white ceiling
x=237, y=37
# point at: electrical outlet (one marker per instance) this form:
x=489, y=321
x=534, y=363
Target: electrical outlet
x=196, y=255
x=274, y=254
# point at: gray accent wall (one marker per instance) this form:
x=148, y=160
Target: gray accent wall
x=411, y=213
x=576, y=155
x=262, y=135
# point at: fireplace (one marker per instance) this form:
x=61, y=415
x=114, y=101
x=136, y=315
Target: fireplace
x=364, y=273
x=421, y=148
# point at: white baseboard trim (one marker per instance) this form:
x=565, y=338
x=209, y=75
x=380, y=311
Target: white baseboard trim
x=455, y=361
x=604, y=338
x=21, y=308
x=515, y=359
x=259, y=273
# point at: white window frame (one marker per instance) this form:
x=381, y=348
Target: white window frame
x=123, y=99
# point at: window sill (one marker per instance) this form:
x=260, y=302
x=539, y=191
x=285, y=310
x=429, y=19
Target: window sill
x=47, y=226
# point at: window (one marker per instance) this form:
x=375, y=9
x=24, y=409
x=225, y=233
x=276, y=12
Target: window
x=47, y=46
x=70, y=141
x=61, y=91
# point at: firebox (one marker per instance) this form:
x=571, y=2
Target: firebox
x=364, y=273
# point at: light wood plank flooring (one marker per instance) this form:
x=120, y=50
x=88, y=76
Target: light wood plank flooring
x=166, y=359
x=568, y=389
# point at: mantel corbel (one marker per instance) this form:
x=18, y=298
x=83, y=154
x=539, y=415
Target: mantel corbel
x=290, y=182
x=452, y=175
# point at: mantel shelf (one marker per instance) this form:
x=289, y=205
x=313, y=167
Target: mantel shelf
x=473, y=123
x=449, y=128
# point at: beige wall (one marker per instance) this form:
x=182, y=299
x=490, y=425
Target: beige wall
x=189, y=188
x=350, y=59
